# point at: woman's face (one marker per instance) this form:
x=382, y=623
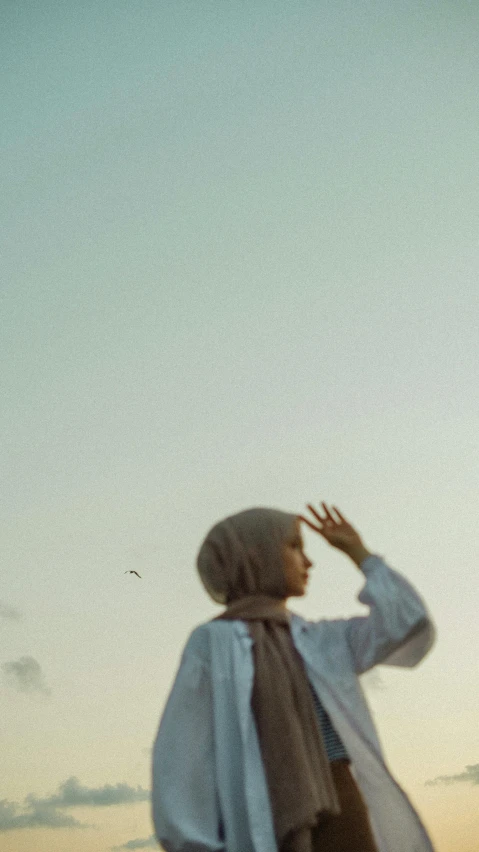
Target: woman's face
x=296, y=563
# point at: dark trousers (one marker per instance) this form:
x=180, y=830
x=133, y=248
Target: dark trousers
x=350, y=831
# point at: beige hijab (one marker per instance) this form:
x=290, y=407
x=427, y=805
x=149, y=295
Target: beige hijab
x=240, y=564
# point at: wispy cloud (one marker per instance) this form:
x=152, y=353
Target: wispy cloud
x=72, y=794
x=471, y=775
x=47, y=811
x=140, y=843
x=26, y=675
x=9, y=612
x=13, y=817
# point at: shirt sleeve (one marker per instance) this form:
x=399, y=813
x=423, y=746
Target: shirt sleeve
x=398, y=631
x=185, y=805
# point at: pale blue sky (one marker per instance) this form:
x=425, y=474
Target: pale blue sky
x=239, y=261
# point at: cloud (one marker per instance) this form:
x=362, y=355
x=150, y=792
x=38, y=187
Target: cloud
x=140, y=843
x=47, y=811
x=471, y=775
x=12, y=819
x=71, y=794
x=26, y=675
x=9, y=612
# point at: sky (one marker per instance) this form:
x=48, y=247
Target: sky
x=239, y=265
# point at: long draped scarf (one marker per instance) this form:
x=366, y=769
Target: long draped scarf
x=241, y=565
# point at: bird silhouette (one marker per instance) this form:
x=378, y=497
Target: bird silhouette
x=133, y=572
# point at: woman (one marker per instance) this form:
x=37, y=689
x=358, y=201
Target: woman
x=266, y=743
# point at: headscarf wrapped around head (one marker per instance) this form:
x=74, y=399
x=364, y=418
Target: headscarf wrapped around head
x=242, y=555
x=241, y=565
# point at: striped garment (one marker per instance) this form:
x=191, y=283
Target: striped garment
x=333, y=744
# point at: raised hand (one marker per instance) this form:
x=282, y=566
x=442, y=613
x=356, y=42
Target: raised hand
x=338, y=533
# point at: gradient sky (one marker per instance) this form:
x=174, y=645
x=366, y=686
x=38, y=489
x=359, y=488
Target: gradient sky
x=240, y=266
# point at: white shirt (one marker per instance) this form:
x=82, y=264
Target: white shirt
x=209, y=791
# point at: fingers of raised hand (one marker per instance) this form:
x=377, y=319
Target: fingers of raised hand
x=328, y=519
x=302, y=518
x=327, y=523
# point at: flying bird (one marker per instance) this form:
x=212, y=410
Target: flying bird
x=133, y=572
